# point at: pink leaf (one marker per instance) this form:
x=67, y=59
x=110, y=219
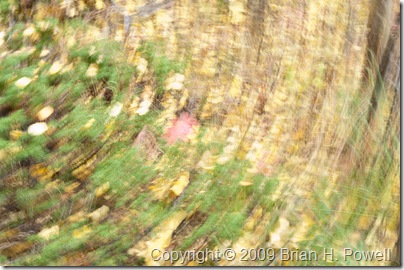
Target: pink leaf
x=182, y=127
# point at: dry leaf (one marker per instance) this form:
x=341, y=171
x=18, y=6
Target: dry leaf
x=44, y=113
x=207, y=161
x=102, y=190
x=99, y=214
x=48, y=233
x=82, y=232
x=15, y=134
x=89, y=123
x=278, y=237
x=147, y=144
x=92, y=70
x=181, y=128
x=23, y=82
x=116, y=109
x=160, y=241
x=160, y=188
x=144, y=107
x=29, y=31
x=55, y=68
x=175, y=82
x=79, y=216
x=99, y=4
x=246, y=183
x=37, y=129
x=2, y=35
x=44, y=53
x=237, y=11
x=180, y=184
x=236, y=84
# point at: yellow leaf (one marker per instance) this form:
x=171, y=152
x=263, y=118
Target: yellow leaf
x=48, y=233
x=180, y=184
x=160, y=241
x=52, y=185
x=246, y=183
x=71, y=41
x=160, y=188
x=89, y=123
x=235, y=89
x=143, y=107
x=82, y=232
x=55, y=68
x=23, y=82
x=42, y=172
x=102, y=190
x=79, y=216
x=2, y=35
x=82, y=5
x=92, y=70
x=99, y=4
x=116, y=109
x=44, y=113
x=29, y=31
x=141, y=65
x=175, y=82
x=44, y=53
x=70, y=188
x=99, y=214
x=15, y=134
x=237, y=11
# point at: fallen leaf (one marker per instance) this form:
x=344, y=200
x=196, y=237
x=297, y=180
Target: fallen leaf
x=48, y=233
x=82, y=232
x=37, y=129
x=44, y=113
x=237, y=11
x=23, y=82
x=181, y=128
x=147, y=144
x=246, y=183
x=44, y=53
x=55, y=68
x=2, y=35
x=89, y=123
x=160, y=188
x=180, y=184
x=116, y=109
x=163, y=234
x=15, y=134
x=42, y=172
x=102, y=190
x=79, y=216
x=99, y=214
x=175, y=82
x=92, y=70
x=99, y=4
x=141, y=65
x=143, y=107
x=236, y=84
x=29, y=31
x=72, y=187
x=207, y=161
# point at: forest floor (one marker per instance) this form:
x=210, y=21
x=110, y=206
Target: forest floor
x=106, y=161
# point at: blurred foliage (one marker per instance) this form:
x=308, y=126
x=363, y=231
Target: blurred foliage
x=292, y=139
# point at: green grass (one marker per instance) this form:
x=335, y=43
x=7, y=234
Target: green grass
x=161, y=64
